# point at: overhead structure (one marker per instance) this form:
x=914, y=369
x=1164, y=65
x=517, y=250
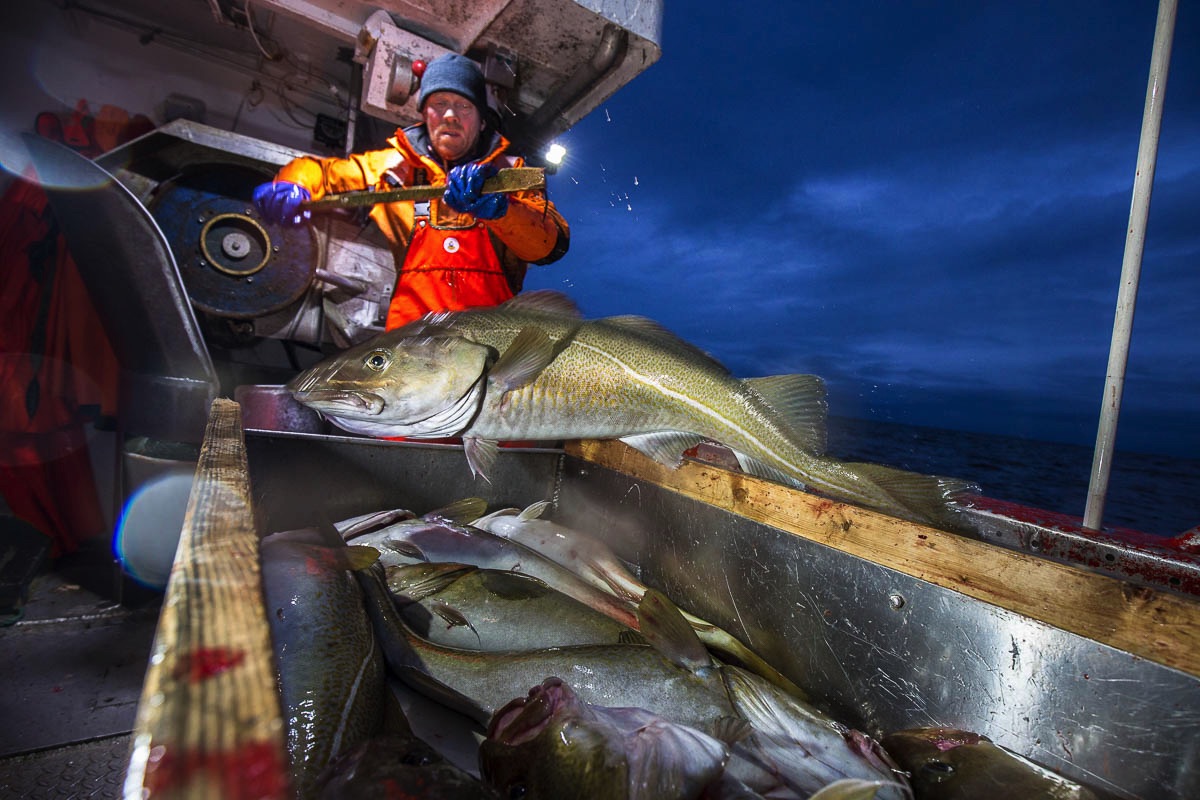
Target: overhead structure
x=548, y=63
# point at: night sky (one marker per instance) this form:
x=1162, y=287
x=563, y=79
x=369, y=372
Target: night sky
x=924, y=203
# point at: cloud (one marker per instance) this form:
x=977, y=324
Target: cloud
x=927, y=229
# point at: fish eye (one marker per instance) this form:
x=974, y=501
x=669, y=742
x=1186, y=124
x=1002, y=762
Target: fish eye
x=938, y=771
x=377, y=360
x=516, y=791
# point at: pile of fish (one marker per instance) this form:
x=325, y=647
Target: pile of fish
x=533, y=369
x=582, y=680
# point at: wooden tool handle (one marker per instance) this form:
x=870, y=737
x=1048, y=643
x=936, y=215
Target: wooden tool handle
x=513, y=179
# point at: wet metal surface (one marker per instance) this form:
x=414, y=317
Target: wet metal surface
x=1138, y=558
x=882, y=651
x=875, y=648
x=297, y=478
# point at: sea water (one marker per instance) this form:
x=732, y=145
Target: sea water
x=1151, y=493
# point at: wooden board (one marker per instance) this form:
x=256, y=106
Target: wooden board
x=209, y=723
x=1158, y=626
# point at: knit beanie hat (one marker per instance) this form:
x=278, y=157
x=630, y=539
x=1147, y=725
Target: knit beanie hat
x=454, y=73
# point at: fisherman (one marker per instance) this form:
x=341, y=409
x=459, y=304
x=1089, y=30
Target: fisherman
x=468, y=249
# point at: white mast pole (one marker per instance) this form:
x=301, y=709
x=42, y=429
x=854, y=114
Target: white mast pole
x=1131, y=266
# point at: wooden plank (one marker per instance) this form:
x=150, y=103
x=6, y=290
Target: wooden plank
x=209, y=723
x=1158, y=626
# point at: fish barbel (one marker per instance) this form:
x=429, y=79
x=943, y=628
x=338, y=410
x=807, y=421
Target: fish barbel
x=533, y=369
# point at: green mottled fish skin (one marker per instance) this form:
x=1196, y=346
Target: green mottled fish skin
x=499, y=610
x=611, y=378
x=481, y=683
x=331, y=671
x=952, y=764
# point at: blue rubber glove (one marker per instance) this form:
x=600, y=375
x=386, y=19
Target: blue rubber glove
x=463, y=187
x=279, y=202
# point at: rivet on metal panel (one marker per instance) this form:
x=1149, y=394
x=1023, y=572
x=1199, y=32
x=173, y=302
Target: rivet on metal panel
x=896, y=601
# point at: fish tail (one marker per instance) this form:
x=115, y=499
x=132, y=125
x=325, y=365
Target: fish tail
x=928, y=498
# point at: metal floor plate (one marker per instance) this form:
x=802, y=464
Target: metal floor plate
x=72, y=669
x=94, y=769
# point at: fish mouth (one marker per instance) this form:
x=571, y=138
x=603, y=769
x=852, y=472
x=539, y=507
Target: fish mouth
x=523, y=719
x=341, y=401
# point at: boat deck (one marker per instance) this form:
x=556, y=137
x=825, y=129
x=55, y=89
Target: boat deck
x=73, y=667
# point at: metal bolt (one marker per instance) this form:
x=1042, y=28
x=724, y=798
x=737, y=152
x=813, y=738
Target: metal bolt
x=896, y=601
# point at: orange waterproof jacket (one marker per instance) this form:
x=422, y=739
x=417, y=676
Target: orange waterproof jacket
x=446, y=261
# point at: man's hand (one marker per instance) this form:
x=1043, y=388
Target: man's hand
x=279, y=202
x=464, y=185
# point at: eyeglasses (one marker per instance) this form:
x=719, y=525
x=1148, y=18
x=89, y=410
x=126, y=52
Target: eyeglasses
x=460, y=106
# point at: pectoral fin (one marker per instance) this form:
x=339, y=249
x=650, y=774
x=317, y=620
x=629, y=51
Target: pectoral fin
x=530, y=352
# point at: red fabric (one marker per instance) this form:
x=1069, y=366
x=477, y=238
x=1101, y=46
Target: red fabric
x=447, y=270
x=57, y=366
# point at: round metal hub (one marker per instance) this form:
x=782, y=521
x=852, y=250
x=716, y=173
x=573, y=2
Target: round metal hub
x=233, y=264
x=235, y=244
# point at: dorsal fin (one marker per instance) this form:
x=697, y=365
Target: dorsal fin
x=800, y=400
x=545, y=301
x=534, y=510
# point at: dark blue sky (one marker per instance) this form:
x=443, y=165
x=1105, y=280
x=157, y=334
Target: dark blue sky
x=924, y=203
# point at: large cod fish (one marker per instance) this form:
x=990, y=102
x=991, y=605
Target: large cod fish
x=533, y=369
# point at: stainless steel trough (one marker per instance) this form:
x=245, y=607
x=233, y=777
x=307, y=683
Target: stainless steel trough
x=886, y=624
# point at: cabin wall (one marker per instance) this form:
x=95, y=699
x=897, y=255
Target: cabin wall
x=54, y=58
